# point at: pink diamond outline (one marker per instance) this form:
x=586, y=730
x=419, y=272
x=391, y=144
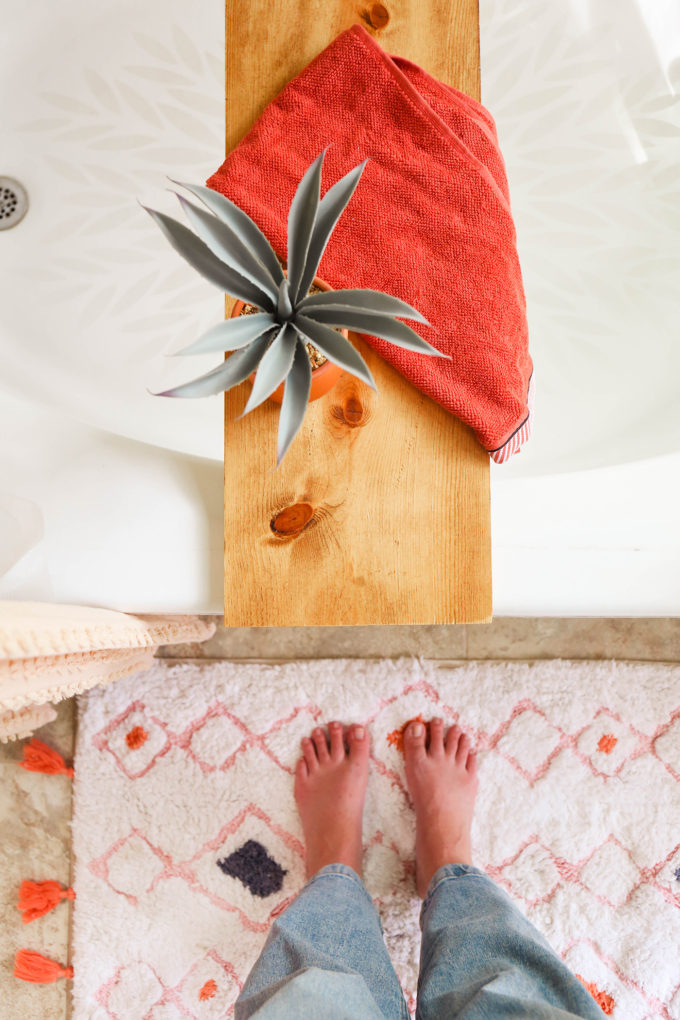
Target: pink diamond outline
x=650, y=875
x=641, y=747
x=216, y=710
x=315, y=713
x=104, y=990
x=101, y=741
x=99, y=866
x=213, y=955
x=563, y=740
x=250, y=739
x=496, y=871
x=230, y=827
x=642, y=878
x=659, y=732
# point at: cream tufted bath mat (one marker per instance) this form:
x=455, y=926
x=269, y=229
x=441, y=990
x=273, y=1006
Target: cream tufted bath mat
x=187, y=841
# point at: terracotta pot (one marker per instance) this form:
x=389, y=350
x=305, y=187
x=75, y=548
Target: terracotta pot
x=324, y=377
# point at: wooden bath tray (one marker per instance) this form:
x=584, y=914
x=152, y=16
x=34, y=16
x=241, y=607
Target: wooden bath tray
x=380, y=511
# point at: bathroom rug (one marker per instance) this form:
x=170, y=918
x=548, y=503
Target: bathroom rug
x=187, y=842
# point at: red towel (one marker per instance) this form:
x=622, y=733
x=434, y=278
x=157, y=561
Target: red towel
x=430, y=221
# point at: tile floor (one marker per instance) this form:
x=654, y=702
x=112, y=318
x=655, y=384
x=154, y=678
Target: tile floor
x=506, y=638
x=35, y=810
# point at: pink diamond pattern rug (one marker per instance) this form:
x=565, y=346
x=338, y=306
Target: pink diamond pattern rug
x=187, y=841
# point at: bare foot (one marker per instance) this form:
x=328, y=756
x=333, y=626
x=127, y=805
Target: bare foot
x=330, y=787
x=442, y=781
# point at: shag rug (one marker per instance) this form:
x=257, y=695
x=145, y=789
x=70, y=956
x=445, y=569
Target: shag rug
x=187, y=840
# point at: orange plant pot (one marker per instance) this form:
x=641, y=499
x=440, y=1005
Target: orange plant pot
x=324, y=377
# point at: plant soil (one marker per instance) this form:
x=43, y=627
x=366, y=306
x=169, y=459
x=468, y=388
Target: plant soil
x=317, y=359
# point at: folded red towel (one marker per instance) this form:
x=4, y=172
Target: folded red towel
x=430, y=221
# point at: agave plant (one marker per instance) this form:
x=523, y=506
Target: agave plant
x=231, y=251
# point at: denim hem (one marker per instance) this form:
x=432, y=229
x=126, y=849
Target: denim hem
x=445, y=873
x=342, y=871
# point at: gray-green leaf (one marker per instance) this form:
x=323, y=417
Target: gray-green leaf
x=375, y=324
x=231, y=335
x=301, y=217
x=199, y=256
x=224, y=243
x=295, y=398
x=230, y=373
x=331, y=207
x=241, y=223
x=361, y=299
x=274, y=367
x=335, y=347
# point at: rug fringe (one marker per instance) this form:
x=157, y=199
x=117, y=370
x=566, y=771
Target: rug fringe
x=38, y=757
x=30, y=966
x=38, y=898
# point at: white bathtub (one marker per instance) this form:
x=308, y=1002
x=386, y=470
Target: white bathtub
x=100, y=102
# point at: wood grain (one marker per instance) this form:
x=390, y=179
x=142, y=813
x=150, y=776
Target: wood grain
x=380, y=511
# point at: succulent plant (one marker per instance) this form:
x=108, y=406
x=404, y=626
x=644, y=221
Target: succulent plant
x=231, y=251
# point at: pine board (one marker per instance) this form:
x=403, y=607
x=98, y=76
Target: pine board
x=380, y=512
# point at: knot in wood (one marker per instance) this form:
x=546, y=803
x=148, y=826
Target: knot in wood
x=377, y=17
x=292, y=519
x=351, y=412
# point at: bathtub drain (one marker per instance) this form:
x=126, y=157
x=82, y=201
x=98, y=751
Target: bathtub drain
x=13, y=203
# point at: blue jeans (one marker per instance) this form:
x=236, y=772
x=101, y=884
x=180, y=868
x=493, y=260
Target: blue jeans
x=480, y=957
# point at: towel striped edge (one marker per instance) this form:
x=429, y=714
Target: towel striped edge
x=518, y=438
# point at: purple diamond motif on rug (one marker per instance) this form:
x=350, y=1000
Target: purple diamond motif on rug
x=254, y=867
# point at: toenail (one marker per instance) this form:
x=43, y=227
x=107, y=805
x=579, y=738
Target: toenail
x=417, y=729
x=335, y=725
x=317, y=732
x=437, y=721
x=359, y=732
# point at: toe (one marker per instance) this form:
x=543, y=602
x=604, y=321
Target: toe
x=337, y=741
x=301, y=771
x=436, y=737
x=452, y=739
x=309, y=754
x=414, y=741
x=464, y=746
x=321, y=745
x=472, y=762
x=358, y=743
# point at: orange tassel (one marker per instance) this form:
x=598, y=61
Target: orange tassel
x=38, y=898
x=29, y=966
x=38, y=757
